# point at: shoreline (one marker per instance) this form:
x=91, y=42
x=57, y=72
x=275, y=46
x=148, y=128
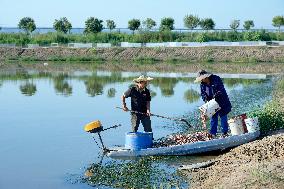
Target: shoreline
x=163, y=67
x=257, y=164
x=186, y=55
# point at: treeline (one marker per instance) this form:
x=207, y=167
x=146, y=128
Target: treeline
x=95, y=25
x=144, y=32
x=141, y=37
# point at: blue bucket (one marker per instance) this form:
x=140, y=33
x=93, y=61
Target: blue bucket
x=138, y=140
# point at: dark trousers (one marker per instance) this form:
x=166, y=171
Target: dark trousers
x=214, y=124
x=145, y=120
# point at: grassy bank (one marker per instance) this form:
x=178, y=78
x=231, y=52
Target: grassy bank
x=181, y=67
x=271, y=116
x=143, y=55
x=140, y=37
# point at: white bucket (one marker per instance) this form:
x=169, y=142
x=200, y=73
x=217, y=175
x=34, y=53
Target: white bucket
x=252, y=124
x=210, y=108
x=236, y=126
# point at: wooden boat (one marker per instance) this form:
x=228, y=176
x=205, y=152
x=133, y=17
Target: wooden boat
x=187, y=149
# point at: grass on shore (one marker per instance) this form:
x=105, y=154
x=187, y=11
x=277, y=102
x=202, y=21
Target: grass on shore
x=271, y=116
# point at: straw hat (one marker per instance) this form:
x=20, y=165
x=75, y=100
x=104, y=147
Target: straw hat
x=142, y=78
x=202, y=75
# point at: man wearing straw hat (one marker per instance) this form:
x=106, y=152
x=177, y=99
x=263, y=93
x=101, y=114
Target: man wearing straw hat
x=140, y=103
x=212, y=87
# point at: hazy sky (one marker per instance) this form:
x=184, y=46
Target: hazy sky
x=77, y=11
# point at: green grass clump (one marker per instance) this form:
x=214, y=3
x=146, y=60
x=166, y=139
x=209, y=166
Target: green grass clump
x=270, y=117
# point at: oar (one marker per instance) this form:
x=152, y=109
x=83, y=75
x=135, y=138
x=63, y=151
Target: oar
x=171, y=118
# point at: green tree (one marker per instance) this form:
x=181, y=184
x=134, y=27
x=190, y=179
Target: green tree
x=62, y=25
x=27, y=24
x=93, y=25
x=167, y=24
x=191, y=21
x=134, y=24
x=235, y=24
x=278, y=21
x=149, y=23
x=207, y=24
x=248, y=24
x=110, y=24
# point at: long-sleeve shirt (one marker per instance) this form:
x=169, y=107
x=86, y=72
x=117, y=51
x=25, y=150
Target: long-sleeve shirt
x=216, y=90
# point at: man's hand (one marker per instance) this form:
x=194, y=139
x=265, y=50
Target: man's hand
x=203, y=120
x=148, y=113
x=124, y=107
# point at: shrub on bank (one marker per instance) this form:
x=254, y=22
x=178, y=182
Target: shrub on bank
x=270, y=117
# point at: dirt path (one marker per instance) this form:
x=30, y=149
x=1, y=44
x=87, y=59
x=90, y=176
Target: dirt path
x=188, y=54
x=258, y=164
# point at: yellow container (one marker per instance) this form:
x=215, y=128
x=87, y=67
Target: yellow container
x=94, y=126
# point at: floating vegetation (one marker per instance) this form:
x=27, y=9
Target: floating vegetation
x=250, y=97
x=140, y=173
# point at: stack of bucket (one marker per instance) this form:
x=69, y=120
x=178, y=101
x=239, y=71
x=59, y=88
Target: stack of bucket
x=241, y=124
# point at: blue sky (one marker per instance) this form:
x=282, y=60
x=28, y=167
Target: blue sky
x=77, y=11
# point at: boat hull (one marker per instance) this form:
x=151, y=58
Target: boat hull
x=188, y=149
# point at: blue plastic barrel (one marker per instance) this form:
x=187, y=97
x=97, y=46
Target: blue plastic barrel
x=138, y=140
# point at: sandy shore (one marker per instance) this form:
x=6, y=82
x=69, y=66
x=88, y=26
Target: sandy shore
x=258, y=164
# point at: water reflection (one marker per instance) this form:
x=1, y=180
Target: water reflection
x=231, y=83
x=93, y=87
x=152, y=93
x=61, y=85
x=191, y=96
x=111, y=93
x=96, y=83
x=166, y=85
x=28, y=89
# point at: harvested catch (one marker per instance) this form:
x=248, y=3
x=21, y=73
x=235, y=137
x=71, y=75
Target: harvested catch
x=180, y=139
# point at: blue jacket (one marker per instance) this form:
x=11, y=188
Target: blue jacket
x=217, y=91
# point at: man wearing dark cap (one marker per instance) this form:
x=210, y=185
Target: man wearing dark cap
x=211, y=86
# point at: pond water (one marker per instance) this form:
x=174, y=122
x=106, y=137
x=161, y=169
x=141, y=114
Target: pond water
x=43, y=144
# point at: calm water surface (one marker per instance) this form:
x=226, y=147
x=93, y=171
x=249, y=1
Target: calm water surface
x=43, y=144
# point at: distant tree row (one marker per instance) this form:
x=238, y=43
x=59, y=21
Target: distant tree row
x=95, y=25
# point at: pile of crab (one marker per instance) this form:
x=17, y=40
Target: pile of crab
x=179, y=139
